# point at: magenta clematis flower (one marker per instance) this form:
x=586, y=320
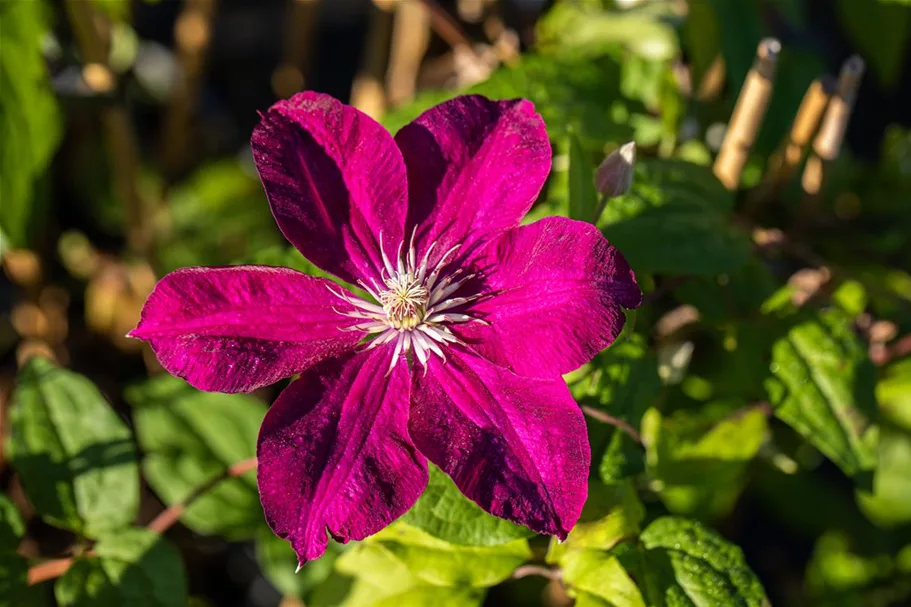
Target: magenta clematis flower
x=457, y=358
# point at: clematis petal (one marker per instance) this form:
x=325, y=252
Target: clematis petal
x=334, y=453
x=475, y=167
x=235, y=329
x=335, y=181
x=515, y=445
x=557, y=289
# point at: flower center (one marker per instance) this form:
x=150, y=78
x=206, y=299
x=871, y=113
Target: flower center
x=416, y=306
x=405, y=301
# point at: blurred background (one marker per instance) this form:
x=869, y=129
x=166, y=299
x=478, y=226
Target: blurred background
x=125, y=126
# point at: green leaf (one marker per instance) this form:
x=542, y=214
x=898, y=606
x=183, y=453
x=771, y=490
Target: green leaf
x=133, y=567
x=700, y=457
x=889, y=504
x=893, y=391
x=687, y=564
x=840, y=574
x=570, y=90
x=217, y=215
x=278, y=561
x=30, y=124
x=624, y=381
x=598, y=579
x=12, y=527
x=612, y=513
x=676, y=220
x=403, y=565
x=822, y=385
x=570, y=25
x=75, y=455
x=190, y=437
x=444, y=513
x=583, y=199
x=368, y=595
x=440, y=563
x=881, y=32
x=14, y=588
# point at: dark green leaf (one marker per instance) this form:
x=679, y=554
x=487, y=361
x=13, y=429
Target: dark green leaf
x=622, y=380
x=687, y=564
x=217, y=216
x=14, y=588
x=190, y=437
x=75, y=455
x=822, y=385
x=12, y=527
x=881, y=31
x=675, y=220
x=583, y=200
x=133, y=567
x=30, y=125
x=443, y=512
x=700, y=457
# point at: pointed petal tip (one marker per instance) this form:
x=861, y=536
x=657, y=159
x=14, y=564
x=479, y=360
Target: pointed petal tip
x=300, y=565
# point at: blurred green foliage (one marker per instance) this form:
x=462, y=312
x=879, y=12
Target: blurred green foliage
x=756, y=409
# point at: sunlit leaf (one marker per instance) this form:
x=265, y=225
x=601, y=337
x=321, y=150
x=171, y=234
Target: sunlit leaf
x=822, y=385
x=444, y=513
x=687, y=564
x=76, y=457
x=700, y=457
x=30, y=124
x=675, y=220
x=190, y=437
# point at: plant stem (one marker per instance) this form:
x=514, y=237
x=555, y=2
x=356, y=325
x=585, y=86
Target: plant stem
x=607, y=418
x=161, y=523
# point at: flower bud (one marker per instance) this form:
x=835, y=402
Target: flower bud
x=615, y=175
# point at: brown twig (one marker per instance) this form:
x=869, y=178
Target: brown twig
x=123, y=150
x=539, y=570
x=894, y=351
x=410, y=38
x=192, y=34
x=161, y=523
x=447, y=28
x=368, y=92
x=172, y=513
x=290, y=76
x=607, y=418
x=748, y=113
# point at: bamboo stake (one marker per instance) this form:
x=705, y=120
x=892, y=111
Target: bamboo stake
x=806, y=123
x=192, y=34
x=290, y=76
x=410, y=38
x=367, y=91
x=783, y=163
x=748, y=113
x=831, y=135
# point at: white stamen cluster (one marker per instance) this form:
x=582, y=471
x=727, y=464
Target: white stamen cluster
x=413, y=306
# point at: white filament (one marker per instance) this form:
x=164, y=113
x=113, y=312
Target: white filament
x=413, y=308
